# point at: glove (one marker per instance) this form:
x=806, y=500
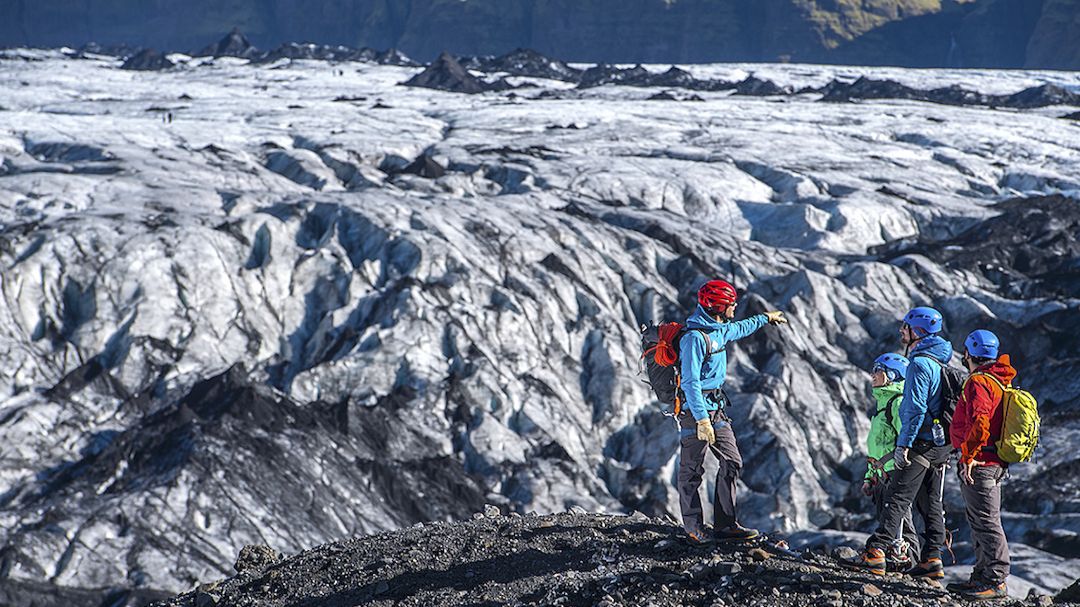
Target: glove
x=867, y=488
x=900, y=458
x=776, y=318
x=705, y=431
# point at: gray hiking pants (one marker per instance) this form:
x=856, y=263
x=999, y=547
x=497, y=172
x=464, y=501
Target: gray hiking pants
x=910, y=537
x=983, y=508
x=921, y=484
x=692, y=467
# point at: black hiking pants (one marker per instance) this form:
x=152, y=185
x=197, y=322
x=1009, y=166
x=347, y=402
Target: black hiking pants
x=921, y=484
x=910, y=536
x=692, y=468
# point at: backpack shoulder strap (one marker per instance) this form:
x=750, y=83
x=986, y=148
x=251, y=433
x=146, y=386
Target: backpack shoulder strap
x=705, y=336
x=888, y=409
x=1000, y=384
x=993, y=378
x=929, y=357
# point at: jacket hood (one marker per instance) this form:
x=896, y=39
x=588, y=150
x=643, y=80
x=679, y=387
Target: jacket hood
x=935, y=346
x=885, y=393
x=1001, y=368
x=700, y=319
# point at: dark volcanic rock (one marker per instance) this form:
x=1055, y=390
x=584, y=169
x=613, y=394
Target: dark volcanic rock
x=394, y=57
x=1070, y=594
x=754, y=86
x=602, y=74
x=256, y=558
x=322, y=52
x=670, y=96
x=867, y=88
x=1072, y=116
x=425, y=166
x=446, y=74
x=147, y=60
x=527, y=62
x=564, y=559
x=1032, y=249
x=1039, y=96
x=674, y=77
x=956, y=95
x=234, y=44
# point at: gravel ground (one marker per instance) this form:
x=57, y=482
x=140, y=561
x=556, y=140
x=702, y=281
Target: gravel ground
x=565, y=559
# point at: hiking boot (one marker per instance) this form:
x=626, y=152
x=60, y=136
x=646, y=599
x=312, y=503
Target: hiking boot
x=986, y=591
x=736, y=532
x=698, y=537
x=897, y=562
x=930, y=568
x=898, y=559
x=958, y=587
x=872, y=559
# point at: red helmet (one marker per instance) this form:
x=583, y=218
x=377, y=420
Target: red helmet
x=716, y=295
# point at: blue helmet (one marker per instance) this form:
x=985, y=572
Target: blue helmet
x=982, y=344
x=926, y=321
x=894, y=365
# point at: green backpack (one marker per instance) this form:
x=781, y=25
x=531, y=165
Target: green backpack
x=1019, y=423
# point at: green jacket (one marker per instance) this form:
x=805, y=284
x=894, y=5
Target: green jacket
x=884, y=426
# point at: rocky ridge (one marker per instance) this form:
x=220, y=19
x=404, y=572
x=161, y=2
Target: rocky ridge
x=561, y=559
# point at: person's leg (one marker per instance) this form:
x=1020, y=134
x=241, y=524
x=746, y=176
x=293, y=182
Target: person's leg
x=970, y=498
x=983, y=501
x=933, y=492
x=899, y=495
x=911, y=537
x=897, y=559
x=691, y=467
x=930, y=503
x=727, y=454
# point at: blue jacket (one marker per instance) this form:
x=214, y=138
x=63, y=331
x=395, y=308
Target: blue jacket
x=922, y=389
x=710, y=376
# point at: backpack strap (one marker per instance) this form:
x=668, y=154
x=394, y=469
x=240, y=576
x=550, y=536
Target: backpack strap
x=933, y=358
x=888, y=409
x=991, y=447
x=705, y=335
x=992, y=377
x=927, y=421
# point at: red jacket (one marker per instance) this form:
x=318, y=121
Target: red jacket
x=977, y=420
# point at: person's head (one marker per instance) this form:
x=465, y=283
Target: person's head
x=718, y=298
x=888, y=368
x=980, y=348
x=919, y=323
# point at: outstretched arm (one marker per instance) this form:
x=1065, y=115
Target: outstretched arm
x=734, y=331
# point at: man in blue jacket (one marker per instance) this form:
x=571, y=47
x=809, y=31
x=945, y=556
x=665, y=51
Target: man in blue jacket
x=703, y=424
x=919, y=477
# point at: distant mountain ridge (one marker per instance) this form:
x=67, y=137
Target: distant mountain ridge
x=914, y=33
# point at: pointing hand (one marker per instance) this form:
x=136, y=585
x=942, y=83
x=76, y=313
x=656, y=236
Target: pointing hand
x=776, y=318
